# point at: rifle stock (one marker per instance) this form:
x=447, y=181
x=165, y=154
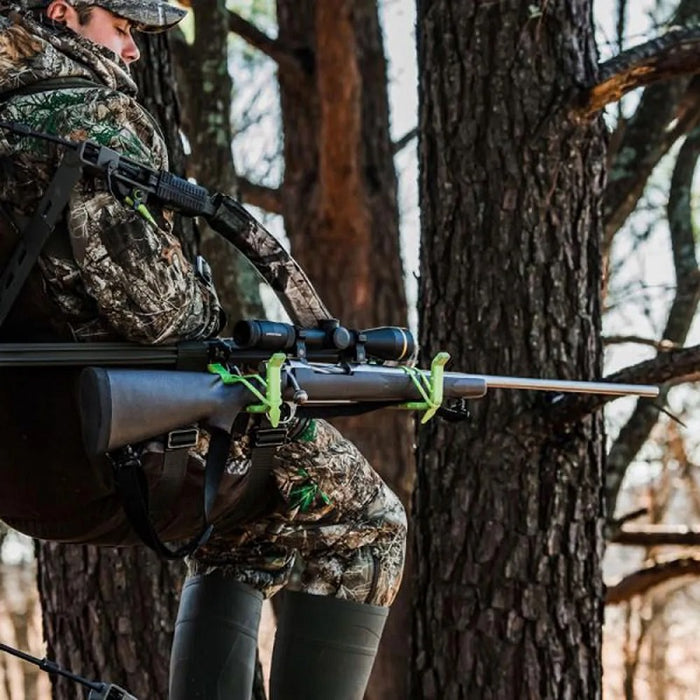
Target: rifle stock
x=124, y=406
x=121, y=406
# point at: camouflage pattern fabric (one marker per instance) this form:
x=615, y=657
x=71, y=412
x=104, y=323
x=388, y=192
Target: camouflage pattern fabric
x=279, y=269
x=125, y=278
x=147, y=15
x=334, y=526
x=331, y=517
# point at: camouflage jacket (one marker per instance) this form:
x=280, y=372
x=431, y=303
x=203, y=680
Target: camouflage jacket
x=106, y=273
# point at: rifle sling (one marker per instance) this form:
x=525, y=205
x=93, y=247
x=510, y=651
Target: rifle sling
x=130, y=482
x=256, y=494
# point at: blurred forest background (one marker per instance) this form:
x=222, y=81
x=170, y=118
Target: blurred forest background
x=255, y=122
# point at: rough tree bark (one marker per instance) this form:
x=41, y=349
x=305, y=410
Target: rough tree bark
x=339, y=202
x=508, y=509
x=205, y=87
x=109, y=613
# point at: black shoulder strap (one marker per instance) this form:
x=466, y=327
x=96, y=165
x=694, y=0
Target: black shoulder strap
x=130, y=483
x=51, y=207
x=37, y=231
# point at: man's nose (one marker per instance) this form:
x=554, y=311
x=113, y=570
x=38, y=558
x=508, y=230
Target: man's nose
x=130, y=52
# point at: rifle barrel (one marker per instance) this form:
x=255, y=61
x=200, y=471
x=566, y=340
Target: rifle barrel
x=566, y=386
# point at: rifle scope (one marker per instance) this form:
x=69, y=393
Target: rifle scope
x=384, y=343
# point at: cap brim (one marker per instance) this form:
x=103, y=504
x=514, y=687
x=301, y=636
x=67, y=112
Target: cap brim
x=148, y=15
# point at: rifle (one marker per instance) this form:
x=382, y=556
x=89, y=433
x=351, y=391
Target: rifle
x=371, y=370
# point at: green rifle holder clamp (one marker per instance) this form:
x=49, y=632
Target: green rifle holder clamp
x=271, y=401
x=135, y=201
x=431, y=388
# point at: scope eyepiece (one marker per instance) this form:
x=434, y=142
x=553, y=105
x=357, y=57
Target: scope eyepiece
x=388, y=343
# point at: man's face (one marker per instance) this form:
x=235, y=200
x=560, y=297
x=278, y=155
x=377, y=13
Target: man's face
x=102, y=27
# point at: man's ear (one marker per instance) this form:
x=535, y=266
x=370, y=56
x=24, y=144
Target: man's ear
x=60, y=11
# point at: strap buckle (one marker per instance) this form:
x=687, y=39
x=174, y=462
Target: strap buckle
x=269, y=437
x=182, y=437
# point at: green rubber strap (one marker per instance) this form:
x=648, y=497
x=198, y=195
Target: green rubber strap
x=431, y=388
x=273, y=384
x=134, y=201
x=271, y=400
x=437, y=384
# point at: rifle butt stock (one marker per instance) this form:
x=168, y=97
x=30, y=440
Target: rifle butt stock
x=123, y=406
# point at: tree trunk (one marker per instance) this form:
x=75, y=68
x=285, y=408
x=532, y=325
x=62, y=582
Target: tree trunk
x=508, y=508
x=341, y=215
x=206, y=87
x=109, y=613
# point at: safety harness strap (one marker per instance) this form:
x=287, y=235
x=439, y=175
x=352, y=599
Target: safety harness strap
x=130, y=482
x=38, y=230
x=36, y=233
x=132, y=488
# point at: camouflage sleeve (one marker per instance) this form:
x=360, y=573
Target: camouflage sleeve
x=134, y=271
x=137, y=274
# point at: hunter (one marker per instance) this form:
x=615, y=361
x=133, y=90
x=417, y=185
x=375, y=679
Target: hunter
x=107, y=274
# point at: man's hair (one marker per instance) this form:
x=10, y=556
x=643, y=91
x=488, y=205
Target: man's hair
x=84, y=13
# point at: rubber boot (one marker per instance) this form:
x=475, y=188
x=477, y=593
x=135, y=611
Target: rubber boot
x=216, y=639
x=324, y=648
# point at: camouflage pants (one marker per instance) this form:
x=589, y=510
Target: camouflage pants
x=335, y=529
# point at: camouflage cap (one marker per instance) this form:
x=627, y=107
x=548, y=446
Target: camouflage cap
x=147, y=15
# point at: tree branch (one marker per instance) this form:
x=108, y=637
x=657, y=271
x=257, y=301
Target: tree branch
x=680, y=217
x=658, y=345
x=645, y=579
x=658, y=535
x=297, y=61
x=267, y=198
x=675, y=53
x=401, y=143
x=672, y=367
x=666, y=112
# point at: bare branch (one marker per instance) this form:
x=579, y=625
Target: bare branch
x=659, y=345
x=644, y=580
x=401, y=143
x=674, y=367
x=267, y=198
x=296, y=61
x=657, y=535
x=666, y=112
x=675, y=53
x=638, y=513
x=680, y=316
